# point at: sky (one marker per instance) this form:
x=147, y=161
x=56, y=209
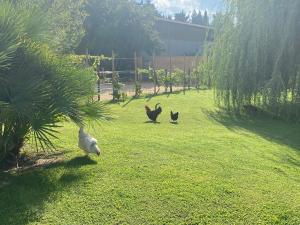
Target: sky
x=169, y=7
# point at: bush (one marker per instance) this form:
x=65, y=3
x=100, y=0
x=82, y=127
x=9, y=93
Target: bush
x=177, y=77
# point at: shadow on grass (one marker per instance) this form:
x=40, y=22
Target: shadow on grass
x=79, y=162
x=174, y=122
x=70, y=178
x=23, y=193
x=147, y=96
x=150, y=96
x=130, y=100
x=152, y=122
x=271, y=129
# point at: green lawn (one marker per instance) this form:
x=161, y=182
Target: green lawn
x=210, y=168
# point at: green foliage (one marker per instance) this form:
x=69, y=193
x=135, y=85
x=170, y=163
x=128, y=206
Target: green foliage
x=146, y=73
x=138, y=89
x=256, y=55
x=170, y=79
x=68, y=24
x=117, y=86
x=123, y=97
x=88, y=60
x=161, y=77
x=202, y=74
x=119, y=25
x=8, y=34
x=151, y=75
x=58, y=22
x=38, y=87
x=177, y=77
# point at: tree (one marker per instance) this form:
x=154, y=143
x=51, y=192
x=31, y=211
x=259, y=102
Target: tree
x=169, y=17
x=63, y=18
x=68, y=20
x=205, y=19
x=256, y=56
x=181, y=17
x=119, y=25
x=197, y=17
x=177, y=77
x=38, y=87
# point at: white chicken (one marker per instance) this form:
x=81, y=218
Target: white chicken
x=87, y=143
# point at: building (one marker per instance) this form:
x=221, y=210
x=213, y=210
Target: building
x=182, y=39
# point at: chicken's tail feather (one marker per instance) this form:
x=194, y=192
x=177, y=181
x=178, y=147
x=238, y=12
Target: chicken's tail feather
x=157, y=105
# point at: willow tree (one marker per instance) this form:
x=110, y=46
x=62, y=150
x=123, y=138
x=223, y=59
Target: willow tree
x=256, y=55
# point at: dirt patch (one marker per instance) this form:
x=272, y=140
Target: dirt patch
x=27, y=162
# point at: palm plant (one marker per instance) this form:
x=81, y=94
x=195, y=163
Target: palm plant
x=37, y=87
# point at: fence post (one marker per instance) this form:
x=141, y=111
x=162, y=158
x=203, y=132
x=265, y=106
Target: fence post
x=135, y=75
x=184, y=76
x=171, y=83
x=98, y=84
x=189, y=79
x=113, y=75
x=103, y=74
x=198, y=82
x=154, y=73
x=166, y=83
x=86, y=60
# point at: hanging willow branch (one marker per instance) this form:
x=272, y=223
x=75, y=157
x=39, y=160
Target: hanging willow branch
x=256, y=55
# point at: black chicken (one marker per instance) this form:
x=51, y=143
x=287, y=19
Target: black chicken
x=174, y=116
x=153, y=114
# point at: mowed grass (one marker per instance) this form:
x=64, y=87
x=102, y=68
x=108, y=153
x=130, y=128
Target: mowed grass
x=210, y=168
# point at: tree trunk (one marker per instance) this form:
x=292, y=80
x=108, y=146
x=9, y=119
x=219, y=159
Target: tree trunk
x=11, y=158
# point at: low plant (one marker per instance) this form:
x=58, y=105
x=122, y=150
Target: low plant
x=138, y=89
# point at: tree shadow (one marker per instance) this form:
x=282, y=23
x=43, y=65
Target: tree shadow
x=112, y=102
x=150, y=96
x=129, y=101
x=262, y=124
x=70, y=178
x=23, y=193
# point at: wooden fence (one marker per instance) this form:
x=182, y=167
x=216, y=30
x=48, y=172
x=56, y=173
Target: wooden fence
x=110, y=75
x=170, y=63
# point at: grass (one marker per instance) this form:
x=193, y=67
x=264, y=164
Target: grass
x=210, y=168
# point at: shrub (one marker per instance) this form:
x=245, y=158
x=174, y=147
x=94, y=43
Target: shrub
x=177, y=77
